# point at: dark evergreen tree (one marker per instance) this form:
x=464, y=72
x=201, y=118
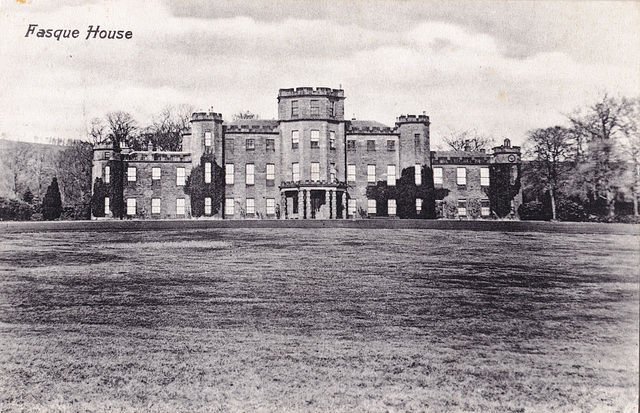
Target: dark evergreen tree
x=52, y=203
x=27, y=196
x=100, y=191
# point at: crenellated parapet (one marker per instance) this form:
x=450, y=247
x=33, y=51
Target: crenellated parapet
x=310, y=91
x=460, y=158
x=371, y=130
x=154, y=156
x=206, y=116
x=412, y=119
x=261, y=127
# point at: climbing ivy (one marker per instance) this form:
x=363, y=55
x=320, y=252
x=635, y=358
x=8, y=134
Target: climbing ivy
x=116, y=187
x=100, y=191
x=505, y=185
x=198, y=190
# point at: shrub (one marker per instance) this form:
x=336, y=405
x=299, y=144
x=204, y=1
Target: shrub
x=569, y=210
x=100, y=191
x=52, y=203
x=449, y=207
x=474, y=208
x=532, y=211
x=15, y=210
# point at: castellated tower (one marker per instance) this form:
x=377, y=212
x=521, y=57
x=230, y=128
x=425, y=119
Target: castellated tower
x=414, y=142
x=205, y=137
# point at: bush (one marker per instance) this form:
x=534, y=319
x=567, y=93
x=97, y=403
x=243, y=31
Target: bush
x=449, y=207
x=532, y=211
x=52, y=203
x=474, y=208
x=15, y=210
x=569, y=210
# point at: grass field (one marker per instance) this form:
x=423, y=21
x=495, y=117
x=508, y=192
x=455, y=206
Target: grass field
x=330, y=320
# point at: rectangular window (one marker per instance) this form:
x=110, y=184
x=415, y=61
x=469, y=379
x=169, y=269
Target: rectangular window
x=351, y=172
x=207, y=206
x=271, y=172
x=371, y=206
x=332, y=173
x=295, y=139
x=332, y=140
x=155, y=205
x=251, y=206
x=371, y=145
x=418, y=174
x=131, y=206
x=352, y=207
x=156, y=173
x=484, y=176
x=294, y=108
x=250, y=174
x=270, y=145
x=131, y=174
x=180, y=176
x=228, y=206
x=229, y=144
x=107, y=207
x=207, y=138
x=391, y=175
x=485, y=210
x=180, y=206
x=315, y=138
x=351, y=145
x=107, y=155
x=437, y=176
x=315, y=171
x=391, y=206
x=295, y=172
x=207, y=172
x=315, y=108
x=391, y=145
x=107, y=174
x=251, y=144
x=271, y=206
x=331, y=108
x=416, y=142
x=229, y=174
x=371, y=174
x=462, y=176
x=418, y=205
x=462, y=208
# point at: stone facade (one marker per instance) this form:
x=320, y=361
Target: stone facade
x=310, y=163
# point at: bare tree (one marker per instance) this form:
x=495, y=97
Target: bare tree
x=40, y=166
x=16, y=161
x=630, y=116
x=467, y=140
x=98, y=131
x=167, y=127
x=73, y=168
x=122, y=128
x=551, y=151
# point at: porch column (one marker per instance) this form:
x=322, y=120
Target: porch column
x=327, y=202
x=284, y=214
x=300, y=204
x=344, y=205
x=334, y=207
x=308, y=214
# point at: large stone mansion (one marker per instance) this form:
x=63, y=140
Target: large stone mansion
x=311, y=163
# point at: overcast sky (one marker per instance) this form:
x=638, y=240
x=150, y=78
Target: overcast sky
x=501, y=67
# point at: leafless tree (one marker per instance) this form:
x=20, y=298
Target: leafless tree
x=122, y=128
x=630, y=116
x=167, y=127
x=467, y=140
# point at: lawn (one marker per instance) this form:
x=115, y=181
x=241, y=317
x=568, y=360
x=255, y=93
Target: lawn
x=334, y=319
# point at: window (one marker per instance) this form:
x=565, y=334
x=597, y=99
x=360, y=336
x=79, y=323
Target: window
x=229, y=173
x=351, y=172
x=207, y=172
x=229, y=144
x=107, y=208
x=271, y=173
x=107, y=155
x=437, y=176
x=371, y=206
x=352, y=207
x=391, y=206
x=131, y=206
x=371, y=145
x=391, y=145
x=250, y=174
x=485, y=210
x=180, y=176
x=207, y=206
x=371, y=174
x=295, y=172
x=332, y=173
x=484, y=176
x=107, y=174
x=155, y=205
x=418, y=205
x=294, y=108
x=207, y=138
x=131, y=174
x=315, y=171
x=315, y=138
x=271, y=206
x=332, y=140
x=251, y=206
x=295, y=139
x=251, y=144
x=351, y=145
x=228, y=206
x=462, y=176
x=462, y=208
x=331, y=109
x=315, y=108
x=391, y=175
x=156, y=173
x=270, y=145
x=418, y=174
x=180, y=206
x=416, y=142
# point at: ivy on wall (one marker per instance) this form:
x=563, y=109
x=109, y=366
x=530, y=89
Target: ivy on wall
x=198, y=190
x=100, y=191
x=116, y=187
x=405, y=192
x=505, y=185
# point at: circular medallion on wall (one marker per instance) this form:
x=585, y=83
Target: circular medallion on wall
x=512, y=158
